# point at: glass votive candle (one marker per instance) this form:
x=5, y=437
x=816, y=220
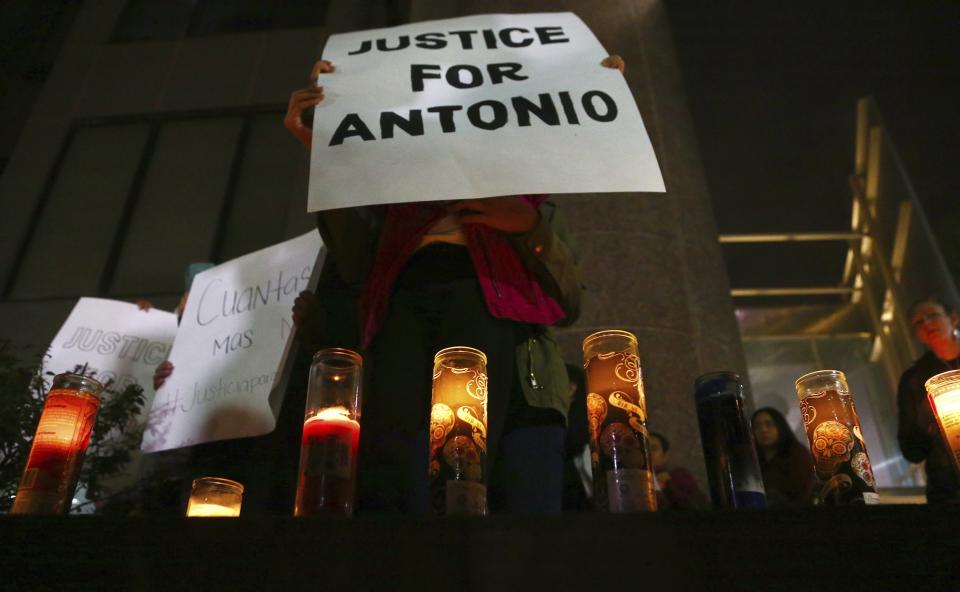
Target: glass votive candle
x=733, y=470
x=836, y=442
x=331, y=434
x=943, y=392
x=59, y=446
x=458, y=432
x=215, y=497
x=623, y=479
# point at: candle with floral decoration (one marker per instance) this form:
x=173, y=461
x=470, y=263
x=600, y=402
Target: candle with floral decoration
x=623, y=478
x=837, y=445
x=458, y=432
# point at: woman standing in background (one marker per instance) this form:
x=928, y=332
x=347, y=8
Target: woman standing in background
x=786, y=464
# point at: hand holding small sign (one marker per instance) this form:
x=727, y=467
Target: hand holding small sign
x=161, y=374
x=308, y=319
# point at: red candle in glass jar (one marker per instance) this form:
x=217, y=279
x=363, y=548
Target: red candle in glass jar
x=59, y=446
x=328, y=463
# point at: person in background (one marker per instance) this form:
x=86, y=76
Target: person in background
x=679, y=489
x=786, y=464
x=934, y=323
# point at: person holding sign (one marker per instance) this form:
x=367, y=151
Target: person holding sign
x=494, y=274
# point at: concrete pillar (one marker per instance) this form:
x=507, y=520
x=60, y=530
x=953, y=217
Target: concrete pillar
x=652, y=261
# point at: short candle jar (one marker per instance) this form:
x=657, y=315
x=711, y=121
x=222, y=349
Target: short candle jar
x=215, y=497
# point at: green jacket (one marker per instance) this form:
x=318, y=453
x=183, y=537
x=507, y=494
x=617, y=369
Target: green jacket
x=550, y=252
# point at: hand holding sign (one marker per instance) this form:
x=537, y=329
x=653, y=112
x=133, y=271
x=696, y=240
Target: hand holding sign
x=161, y=374
x=614, y=61
x=303, y=99
x=506, y=214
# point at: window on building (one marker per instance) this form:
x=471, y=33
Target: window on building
x=269, y=179
x=132, y=203
x=166, y=20
x=71, y=239
x=178, y=206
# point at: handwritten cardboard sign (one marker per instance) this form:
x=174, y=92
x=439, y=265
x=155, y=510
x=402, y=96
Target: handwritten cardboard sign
x=116, y=340
x=232, y=340
x=472, y=107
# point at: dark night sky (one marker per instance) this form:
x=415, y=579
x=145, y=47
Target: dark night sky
x=773, y=88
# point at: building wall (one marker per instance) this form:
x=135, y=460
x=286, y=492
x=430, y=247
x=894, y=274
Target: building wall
x=98, y=196
x=140, y=157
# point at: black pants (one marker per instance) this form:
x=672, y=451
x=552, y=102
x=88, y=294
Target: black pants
x=438, y=303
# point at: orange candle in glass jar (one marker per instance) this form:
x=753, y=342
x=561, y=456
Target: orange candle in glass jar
x=59, y=446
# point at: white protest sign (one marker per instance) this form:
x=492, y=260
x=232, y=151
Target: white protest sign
x=116, y=340
x=472, y=107
x=229, y=348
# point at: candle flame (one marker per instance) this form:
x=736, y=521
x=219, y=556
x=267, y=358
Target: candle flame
x=333, y=413
x=211, y=510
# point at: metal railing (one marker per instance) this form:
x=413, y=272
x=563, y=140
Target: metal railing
x=893, y=258
x=899, y=260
